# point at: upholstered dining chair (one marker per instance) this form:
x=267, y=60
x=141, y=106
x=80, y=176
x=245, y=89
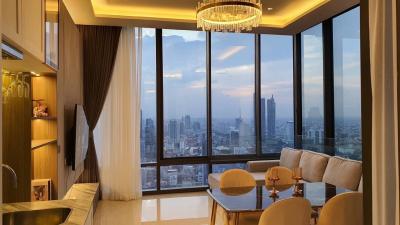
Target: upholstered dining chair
x=343, y=209
x=284, y=174
x=291, y=211
x=235, y=178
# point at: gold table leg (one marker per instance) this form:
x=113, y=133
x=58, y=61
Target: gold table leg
x=213, y=212
x=237, y=218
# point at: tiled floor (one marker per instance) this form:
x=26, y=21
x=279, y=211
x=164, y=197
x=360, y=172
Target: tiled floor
x=172, y=209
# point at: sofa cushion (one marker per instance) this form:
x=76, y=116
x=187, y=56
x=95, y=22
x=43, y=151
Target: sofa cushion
x=290, y=158
x=215, y=178
x=313, y=165
x=261, y=165
x=344, y=173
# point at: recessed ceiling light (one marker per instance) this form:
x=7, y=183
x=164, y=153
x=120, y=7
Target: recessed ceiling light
x=269, y=8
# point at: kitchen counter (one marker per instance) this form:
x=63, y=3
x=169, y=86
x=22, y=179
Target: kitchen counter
x=80, y=199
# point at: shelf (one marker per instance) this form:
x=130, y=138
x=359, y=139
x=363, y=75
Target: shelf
x=42, y=142
x=44, y=118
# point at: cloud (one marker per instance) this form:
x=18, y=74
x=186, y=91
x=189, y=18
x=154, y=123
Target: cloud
x=188, y=36
x=200, y=70
x=230, y=52
x=173, y=75
x=148, y=32
x=198, y=84
x=236, y=70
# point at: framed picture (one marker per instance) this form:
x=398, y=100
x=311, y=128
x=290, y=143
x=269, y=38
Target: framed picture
x=41, y=190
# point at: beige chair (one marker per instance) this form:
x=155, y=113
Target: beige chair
x=343, y=209
x=291, y=211
x=344, y=173
x=284, y=174
x=237, y=178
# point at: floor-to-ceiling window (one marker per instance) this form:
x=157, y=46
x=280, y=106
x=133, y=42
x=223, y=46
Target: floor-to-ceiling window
x=277, y=124
x=218, y=100
x=184, y=101
x=232, y=87
x=148, y=111
x=312, y=71
x=347, y=84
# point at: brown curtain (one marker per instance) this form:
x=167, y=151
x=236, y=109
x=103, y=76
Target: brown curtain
x=100, y=45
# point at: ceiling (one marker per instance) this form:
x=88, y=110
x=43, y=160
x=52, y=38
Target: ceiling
x=286, y=16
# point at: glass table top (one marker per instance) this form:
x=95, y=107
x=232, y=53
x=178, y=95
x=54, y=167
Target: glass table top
x=243, y=199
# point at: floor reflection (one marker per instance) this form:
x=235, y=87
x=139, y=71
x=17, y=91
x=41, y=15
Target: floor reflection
x=171, y=209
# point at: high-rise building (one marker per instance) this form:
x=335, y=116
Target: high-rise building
x=234, y=138
x=263, y=118
x=187, y=122
x=271, y=109
x=173, y=131
x=181, y=129
x=196, y=126
x=149, y=141
x=290, y=131
x=238, y=122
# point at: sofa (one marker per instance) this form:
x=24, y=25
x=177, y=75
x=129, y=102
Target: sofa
x=317, y=167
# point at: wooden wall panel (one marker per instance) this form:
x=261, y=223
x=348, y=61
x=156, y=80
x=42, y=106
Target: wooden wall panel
x=45, y=87
x=16, y=119
x=44, y=161
x=70, y=92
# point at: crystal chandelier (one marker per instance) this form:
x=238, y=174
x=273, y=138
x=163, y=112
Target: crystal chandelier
x=228, y=15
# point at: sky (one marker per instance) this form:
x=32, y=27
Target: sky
x=233, y=72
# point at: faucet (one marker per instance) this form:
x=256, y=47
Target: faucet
x=13, y=173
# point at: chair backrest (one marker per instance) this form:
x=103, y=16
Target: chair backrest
x=291, y=211
x=237, y=178
x=290, y=157
x=345, y=173
x=284, y=174
x=343, y=209
x=313, y=165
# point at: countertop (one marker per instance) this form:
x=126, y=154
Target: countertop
x=79, y=199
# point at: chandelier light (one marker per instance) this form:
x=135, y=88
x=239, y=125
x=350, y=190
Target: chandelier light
x=228, y=15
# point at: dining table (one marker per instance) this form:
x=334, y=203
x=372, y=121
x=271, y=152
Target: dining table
x=240, y=200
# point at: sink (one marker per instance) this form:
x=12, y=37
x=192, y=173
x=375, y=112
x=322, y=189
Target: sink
x=53, y=216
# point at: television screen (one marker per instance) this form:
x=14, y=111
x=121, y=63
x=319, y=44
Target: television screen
x=81, y=137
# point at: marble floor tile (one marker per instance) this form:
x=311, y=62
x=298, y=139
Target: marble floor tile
x=170, y=209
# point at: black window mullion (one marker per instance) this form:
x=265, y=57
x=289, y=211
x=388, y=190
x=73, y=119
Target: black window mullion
x=328, y=79
x=257, y=94
x=159, y=106
x=297, y=91
x=208, y=89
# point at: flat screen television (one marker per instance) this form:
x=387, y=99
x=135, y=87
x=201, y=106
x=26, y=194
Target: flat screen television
x=79, y=139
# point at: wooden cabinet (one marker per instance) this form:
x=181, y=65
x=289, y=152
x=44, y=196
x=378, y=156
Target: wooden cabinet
x=23, y=24
x=11, y=19
x=32, y=27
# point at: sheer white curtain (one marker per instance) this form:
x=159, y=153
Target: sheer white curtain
x=384, y=75
x=117, y=134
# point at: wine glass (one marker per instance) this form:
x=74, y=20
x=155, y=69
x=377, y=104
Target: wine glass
x=273, y=178
x=26, y=86
x=297, y=176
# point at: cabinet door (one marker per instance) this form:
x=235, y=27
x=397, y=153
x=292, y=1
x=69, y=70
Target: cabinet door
x=11, y=20
x=33, y=13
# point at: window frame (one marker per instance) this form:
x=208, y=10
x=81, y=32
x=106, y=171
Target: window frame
x=210, y=159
